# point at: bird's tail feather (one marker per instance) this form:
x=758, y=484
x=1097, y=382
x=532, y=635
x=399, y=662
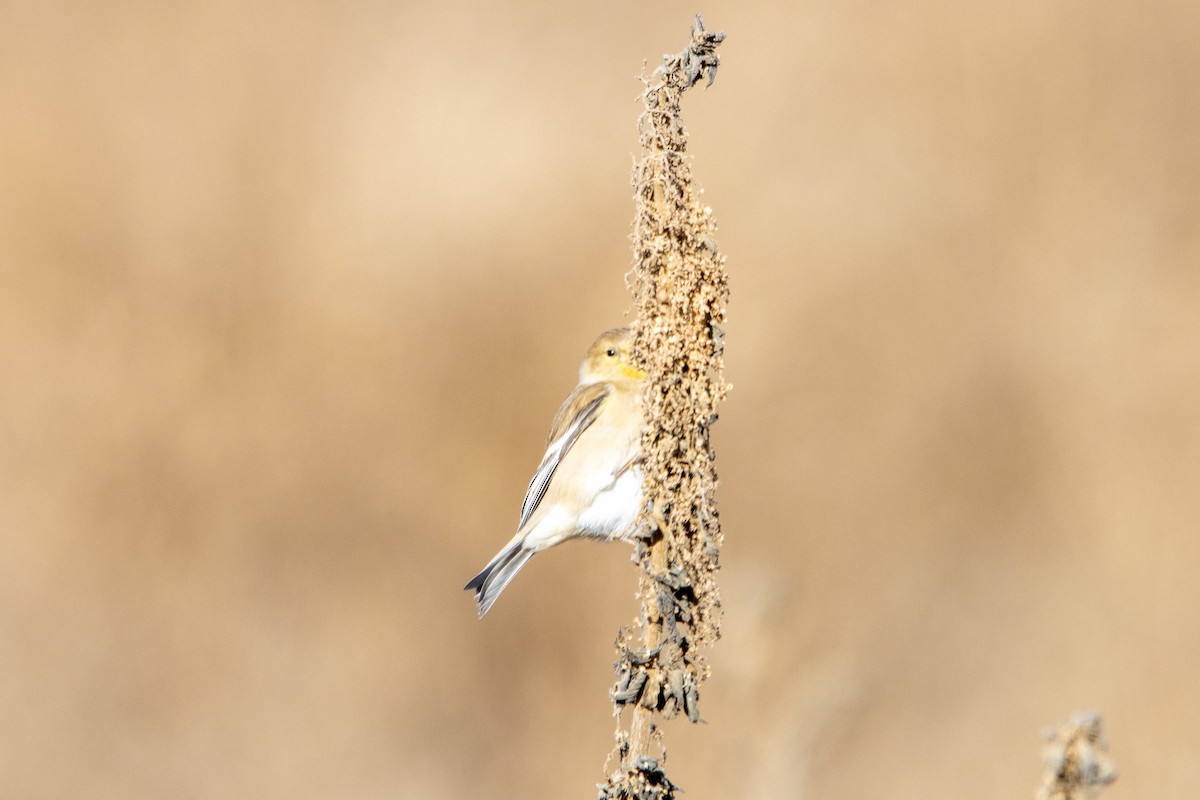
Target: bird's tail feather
x=489, y=583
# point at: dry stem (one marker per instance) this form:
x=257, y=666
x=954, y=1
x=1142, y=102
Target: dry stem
x=680, y=292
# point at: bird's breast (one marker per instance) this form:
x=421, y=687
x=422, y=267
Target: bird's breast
x=614, y=508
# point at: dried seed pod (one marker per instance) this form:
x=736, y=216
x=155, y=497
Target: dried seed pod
x=680, y=291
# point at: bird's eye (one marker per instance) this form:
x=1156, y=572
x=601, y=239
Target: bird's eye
x=610, y=352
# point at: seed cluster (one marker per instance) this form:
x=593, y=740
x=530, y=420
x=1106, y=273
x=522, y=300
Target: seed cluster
x=680, y=293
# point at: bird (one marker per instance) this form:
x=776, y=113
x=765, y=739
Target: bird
x=589, y=484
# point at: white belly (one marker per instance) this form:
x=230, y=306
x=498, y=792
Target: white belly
x=614, y=509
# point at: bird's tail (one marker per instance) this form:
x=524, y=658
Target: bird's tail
x=489, y=583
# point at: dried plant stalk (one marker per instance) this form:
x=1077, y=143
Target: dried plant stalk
x=680, y=292
x=1077, y=766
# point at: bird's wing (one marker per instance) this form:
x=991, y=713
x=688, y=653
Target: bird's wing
x=577, y=413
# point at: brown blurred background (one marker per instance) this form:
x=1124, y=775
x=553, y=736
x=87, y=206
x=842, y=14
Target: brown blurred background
x=289, y=293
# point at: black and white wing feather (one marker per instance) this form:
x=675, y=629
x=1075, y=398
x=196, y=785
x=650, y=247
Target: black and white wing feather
x=576, y=414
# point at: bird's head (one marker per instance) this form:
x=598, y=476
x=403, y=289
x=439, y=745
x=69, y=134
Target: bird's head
x=609, y=359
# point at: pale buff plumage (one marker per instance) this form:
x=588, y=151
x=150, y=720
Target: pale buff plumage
x=587, y=484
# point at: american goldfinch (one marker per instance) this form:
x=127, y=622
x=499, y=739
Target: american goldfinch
x=588, y=484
